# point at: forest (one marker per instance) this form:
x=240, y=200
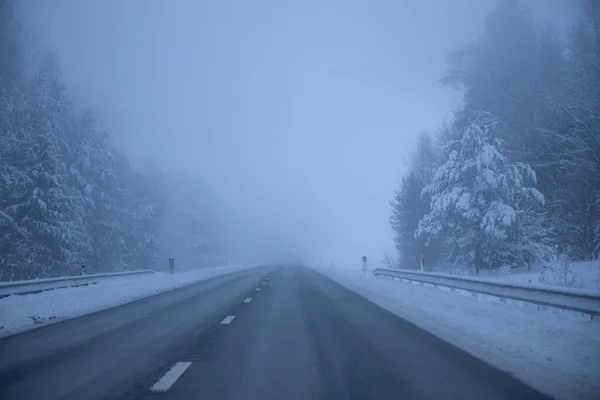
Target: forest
x=513, y=179
x=68, y=196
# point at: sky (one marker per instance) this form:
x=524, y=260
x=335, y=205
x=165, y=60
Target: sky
x=300, y=115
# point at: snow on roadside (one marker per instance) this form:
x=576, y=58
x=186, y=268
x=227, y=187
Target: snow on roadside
x=19, y=313
x=556, y=355
x=581, y=275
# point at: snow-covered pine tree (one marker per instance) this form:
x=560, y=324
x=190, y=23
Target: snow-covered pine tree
x=13, y=111
x=580, y=141
x=14, y=182
x=405, y=217
x=96, y=163
x=65, y=195
x=516, y=71
x=408, y=206
x=49, y=207
x=479, y=197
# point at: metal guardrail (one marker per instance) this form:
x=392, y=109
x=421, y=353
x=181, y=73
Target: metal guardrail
x=40, y=285
x=569, y=299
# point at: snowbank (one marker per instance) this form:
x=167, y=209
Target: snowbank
x=21, y=313
x=557, y=355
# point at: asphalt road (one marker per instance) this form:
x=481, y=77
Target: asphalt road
x=299, y=336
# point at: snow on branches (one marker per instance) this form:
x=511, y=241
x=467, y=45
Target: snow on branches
x=478, y=197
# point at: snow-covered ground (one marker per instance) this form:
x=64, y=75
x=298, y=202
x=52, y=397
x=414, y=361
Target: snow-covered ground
x=21, y=313
x=579, y=275
x=559, y=355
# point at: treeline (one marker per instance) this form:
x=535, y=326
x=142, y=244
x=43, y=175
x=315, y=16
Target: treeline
x=67, y=196
x=514, y=179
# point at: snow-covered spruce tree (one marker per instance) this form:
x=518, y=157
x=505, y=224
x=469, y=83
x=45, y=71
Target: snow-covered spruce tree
x=49, y=207
x=579, y=143
x=481, y=202
x=13, y=115
x=408, y=207
x=96, y=167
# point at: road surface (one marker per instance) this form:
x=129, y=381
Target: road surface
x=263, y=333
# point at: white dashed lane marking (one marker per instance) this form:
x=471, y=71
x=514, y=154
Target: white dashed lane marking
x=228, y=319
x=170, y=377
x=257, y=289
x=248, y=300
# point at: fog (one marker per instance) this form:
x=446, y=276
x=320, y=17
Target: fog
x=300, y=116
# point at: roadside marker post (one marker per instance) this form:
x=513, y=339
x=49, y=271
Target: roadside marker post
x=364, y=264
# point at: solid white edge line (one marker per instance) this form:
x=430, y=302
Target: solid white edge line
x=228, y=319
x=170, y=377
x=248, y=300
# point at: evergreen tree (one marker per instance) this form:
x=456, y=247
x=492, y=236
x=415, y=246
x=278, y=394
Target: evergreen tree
x=97, y=166
x=66, y=195
x=408, y=207
x=405, y=218
x=580, y=142
x=478, y=197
